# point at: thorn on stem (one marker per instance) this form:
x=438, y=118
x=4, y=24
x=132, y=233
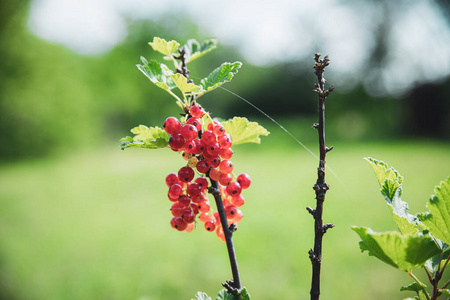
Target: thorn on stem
x=328, y=149
x=315, y=125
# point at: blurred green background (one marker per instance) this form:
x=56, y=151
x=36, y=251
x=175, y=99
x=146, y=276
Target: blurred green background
x=80, y=219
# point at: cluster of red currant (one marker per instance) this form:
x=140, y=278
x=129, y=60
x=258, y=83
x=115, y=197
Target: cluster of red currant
x=207, y=149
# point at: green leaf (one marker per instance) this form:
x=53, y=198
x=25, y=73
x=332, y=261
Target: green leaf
x=414, y=287
x=438, y=219
x=433, y=263
x=404, y=252
x=182, y=83
x=219, y=76
x=391, y=181
x=163, y=46
x=202, y=296
x=445, y=291
x=224, y=295
x=243, y=131
x=152, y=138
x=195, y=50
x=244, y=294
x=158, y=73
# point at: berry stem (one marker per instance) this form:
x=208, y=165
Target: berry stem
x=232, y=286
x=321, y=186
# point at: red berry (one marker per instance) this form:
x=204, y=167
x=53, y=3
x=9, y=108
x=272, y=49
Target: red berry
x=176, y=141
x=225, y=141
x=214, y=161
x=184, y=200
x=234, y=189
x=189, y=132
x=189, y=146
x=203, y=182
x=226, y=166
x=178, y=223
x=224, y=179
x=177, y=209
x=218, y=129
x=194, y=189
x=208, y=137
x=172, y=125
x=238, y=201
x=226, y=153
x=210, y=225
x=204, y=217
x=194, y=208
x=196, y=111
x=172, y=179
x=199, y=146
x=189, y=227
x=204, y=206
x=203, y=166
x=244, y=180
x=230, y=211
x=238, y=216
x=188, y=216
x=196, y=122
x=214, y=174
x=175, y=191
x=186, y=174
x=213, y=149
x=220, y=234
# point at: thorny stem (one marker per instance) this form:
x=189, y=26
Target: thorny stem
x=321, y=186
x=234, y=286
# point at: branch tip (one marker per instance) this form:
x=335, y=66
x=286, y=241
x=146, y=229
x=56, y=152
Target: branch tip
x=311, y=211
x=326, y=227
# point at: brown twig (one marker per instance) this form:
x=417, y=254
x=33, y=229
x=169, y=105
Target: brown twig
x=321, y=187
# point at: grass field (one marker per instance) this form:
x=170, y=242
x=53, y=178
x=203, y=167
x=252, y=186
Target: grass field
x=95, y=224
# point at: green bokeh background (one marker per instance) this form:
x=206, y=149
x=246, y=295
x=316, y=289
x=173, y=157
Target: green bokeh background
x=80, y=219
